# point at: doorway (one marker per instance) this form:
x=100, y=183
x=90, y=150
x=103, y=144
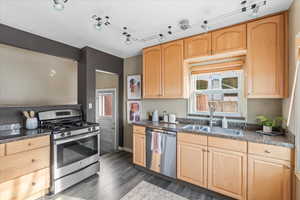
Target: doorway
x=107, y=111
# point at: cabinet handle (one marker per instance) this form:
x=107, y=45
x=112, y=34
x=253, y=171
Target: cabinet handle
x=266, y=151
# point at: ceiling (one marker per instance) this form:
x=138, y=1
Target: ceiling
x=73, y=25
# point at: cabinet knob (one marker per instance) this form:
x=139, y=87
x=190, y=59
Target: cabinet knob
x=29, y=144
x=33, y=160
x=266, y=151
x=33, y=183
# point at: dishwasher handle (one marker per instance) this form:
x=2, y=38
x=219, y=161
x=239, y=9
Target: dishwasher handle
x=149, y=131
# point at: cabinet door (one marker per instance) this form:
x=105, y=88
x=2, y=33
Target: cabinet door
x=152, y=72
x=197, y=46
x=192, y=163
x=266, y=58
x=227, y=172
x=139, y=150
x=229, y=39
x=172, y=64
x=268, y=179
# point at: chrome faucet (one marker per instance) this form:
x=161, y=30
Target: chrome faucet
x=212, y=109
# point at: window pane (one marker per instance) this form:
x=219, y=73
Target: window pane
x=202, y=103
x=230, y=83
x=202, y=85
x=107, y=105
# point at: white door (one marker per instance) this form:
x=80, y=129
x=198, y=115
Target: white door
x=107, y=118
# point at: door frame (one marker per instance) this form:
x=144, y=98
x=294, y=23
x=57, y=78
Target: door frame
x=116, y=114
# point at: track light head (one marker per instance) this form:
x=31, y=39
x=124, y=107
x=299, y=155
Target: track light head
x=59, y=4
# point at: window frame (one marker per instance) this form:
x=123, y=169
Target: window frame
x=223, y=74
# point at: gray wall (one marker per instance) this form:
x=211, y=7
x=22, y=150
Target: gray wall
x=133, y=65
x=90, y=61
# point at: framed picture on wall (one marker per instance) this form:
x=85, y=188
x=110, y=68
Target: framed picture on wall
x=134, y=111
x=134, y=87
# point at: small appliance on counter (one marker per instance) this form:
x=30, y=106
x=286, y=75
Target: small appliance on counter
x=172, y=118
x=155, y=117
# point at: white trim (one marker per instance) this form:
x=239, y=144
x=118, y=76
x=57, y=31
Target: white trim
x=125, y=149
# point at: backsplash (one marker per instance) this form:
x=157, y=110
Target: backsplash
x=11, y=115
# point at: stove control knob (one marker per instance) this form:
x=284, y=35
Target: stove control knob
x=62, y=134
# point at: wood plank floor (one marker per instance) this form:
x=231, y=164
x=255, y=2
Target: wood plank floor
x=118, y=176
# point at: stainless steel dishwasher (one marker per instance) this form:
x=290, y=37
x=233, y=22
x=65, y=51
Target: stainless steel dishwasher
x=163, y=159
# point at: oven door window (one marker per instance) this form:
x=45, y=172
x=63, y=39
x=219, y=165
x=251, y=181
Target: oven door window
x=74, y=151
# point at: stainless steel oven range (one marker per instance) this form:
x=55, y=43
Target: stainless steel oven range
x=75, y=147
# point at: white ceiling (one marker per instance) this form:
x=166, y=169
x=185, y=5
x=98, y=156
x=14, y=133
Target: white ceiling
x=143, y=17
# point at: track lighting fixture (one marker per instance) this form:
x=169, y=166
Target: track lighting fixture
x=98, y=22
x=128, y=40
x=59, y=5
x=204, y=26
x=161, y=37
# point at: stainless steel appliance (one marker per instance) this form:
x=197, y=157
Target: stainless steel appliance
x=75, y=147
x=161, y=156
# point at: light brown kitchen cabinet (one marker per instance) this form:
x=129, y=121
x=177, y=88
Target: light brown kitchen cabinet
x=2, y=150
x=268, y=179
x=152, y=72
x=192, y=163
x=229, y=39
x=197, y=46
x=227, y=172
x=266, y=58
x=139, y=146
x=172, y=65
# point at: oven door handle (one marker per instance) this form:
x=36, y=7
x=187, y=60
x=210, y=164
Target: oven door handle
x=79, y=137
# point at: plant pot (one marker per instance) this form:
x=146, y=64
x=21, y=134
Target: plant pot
x=267, y=129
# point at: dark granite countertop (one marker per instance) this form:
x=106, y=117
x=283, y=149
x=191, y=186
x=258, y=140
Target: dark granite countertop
x=20, y=134
x=287, y=140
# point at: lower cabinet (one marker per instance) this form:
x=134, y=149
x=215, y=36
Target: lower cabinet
x=30, y=186
x=139, y=149
x=268, y=179
x=227, y=172
x=192, y=163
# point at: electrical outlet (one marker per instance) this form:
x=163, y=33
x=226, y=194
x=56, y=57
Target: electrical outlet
x=90, y=105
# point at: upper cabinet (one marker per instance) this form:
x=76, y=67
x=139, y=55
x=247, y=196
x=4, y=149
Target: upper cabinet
x=166, y=66
x=152, y=72
x=163, y=71
x=197, y=46
x=229, y=39
x=172, y=65
x=266, y=64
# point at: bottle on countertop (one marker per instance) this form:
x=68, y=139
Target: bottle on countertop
x=155, y=116
x=166, y=116
x=224, y=122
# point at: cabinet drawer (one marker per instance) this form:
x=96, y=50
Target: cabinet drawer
x=25, y=186
x=26, y=145
x=228, y=144
x=270, y=151
x=2, y=150
x=139, y=130
x=192, y=138
x=23, y=163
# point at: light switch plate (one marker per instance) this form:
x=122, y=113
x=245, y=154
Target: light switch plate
x=90, y=105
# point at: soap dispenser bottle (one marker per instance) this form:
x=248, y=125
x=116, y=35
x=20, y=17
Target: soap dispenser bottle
x=224, y=122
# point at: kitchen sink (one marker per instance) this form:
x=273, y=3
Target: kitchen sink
x=215, y=130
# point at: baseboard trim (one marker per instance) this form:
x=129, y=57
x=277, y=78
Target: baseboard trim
x=125, y=149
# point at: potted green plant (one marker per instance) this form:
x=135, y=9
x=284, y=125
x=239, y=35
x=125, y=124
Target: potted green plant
x=268, y=123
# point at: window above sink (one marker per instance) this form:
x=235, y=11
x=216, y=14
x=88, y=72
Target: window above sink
x=224, y=88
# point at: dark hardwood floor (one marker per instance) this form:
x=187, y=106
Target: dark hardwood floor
x=118, y=176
